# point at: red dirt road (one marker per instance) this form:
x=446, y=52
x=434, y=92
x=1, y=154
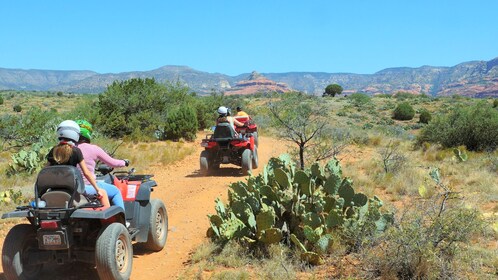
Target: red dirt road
x=189, y=197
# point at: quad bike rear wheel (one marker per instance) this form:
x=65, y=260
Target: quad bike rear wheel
x=204, y=161
x=158, y=226
x=114, y=253
x=246, y=161
x=256, y=140
x=20, y=240
x=255, y=159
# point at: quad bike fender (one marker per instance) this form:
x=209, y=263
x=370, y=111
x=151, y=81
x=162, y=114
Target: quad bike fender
x=145, y=189
x=17, y=214
x=98, y=213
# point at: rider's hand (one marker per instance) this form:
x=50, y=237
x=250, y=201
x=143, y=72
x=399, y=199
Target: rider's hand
x=127, y=162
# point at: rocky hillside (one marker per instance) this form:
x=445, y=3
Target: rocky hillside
x=257, y=83
x=475, y=79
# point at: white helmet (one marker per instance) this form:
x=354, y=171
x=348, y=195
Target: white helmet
x=69, y=129
x=222, y=110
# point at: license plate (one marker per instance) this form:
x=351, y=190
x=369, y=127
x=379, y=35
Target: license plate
x=52, y=239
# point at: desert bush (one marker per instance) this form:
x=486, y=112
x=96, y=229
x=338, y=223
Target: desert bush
x=307, y=207
x=17, y=108
x=391, y=158
x=181, y=122
x=427, y=239
x=404, y=111
x=359, y=99
x=138, y=107
x=475, y=127
x=425, y=116
x=402, y=95
x=32, y=126
x=15, y=197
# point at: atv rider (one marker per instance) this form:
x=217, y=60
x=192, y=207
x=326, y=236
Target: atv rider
x=224, y=116
x=93, y=153
x=241, y=113
x=66, y=153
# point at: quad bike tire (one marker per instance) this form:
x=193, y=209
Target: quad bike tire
x=204, y=161
x=255, y=158
x=20, y=239
x=246, y=161
x=158, y=226
x=114, y=253
x=256, y=140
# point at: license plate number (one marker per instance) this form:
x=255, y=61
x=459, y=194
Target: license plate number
x=52, y=239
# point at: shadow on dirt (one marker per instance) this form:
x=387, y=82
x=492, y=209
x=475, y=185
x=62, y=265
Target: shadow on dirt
x=221, y=172
x=77, y=271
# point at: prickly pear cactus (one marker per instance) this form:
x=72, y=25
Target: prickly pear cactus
x=305, y=206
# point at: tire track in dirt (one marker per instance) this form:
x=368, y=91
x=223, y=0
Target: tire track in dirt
x=189, y=198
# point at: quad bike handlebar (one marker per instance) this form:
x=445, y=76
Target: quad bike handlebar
x=130, y=175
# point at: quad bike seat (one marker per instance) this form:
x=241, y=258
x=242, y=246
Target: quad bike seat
x=224, y=132
x=61, y=186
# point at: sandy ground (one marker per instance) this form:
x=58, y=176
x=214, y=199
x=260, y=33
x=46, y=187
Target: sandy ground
x=189, y=198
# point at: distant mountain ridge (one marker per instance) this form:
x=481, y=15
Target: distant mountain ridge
x=474, y=79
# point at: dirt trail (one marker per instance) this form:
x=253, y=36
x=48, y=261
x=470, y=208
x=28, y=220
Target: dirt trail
x=189, y=197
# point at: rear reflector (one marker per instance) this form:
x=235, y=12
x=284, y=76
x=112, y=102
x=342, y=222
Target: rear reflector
x=49, y=224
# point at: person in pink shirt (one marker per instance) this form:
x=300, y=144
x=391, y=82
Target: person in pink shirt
x=92, y=154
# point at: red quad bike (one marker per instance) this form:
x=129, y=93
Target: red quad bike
x=228, y=145
x=71, y=227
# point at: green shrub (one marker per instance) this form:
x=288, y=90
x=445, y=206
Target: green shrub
x=359, y=99
x=30, y=127
x=138, y=108
x=430, y=242
x=475, y=127
x=425, y=116
x=495, y=103
x=180, y=123
x=404, y=111
x=402, y=95
x=17, y=108
x=1, y=100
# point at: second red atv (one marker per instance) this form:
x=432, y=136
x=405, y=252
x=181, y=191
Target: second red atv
x=228, y=145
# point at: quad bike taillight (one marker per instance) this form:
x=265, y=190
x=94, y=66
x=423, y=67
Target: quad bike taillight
x=50, y=224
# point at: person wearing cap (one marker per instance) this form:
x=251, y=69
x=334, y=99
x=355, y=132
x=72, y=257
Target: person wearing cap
x=241, y=113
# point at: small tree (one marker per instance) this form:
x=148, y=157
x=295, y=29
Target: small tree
x=301, y=120
x=1, y=100
x=17, y=108
x=404, y=111
x=332, y=90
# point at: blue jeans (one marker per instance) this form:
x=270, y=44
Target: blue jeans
x=112, y=191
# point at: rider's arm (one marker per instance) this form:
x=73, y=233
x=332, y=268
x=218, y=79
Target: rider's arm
x=237, y=123
x=107, y=159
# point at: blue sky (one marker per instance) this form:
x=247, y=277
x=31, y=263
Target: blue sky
x=235, y=37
